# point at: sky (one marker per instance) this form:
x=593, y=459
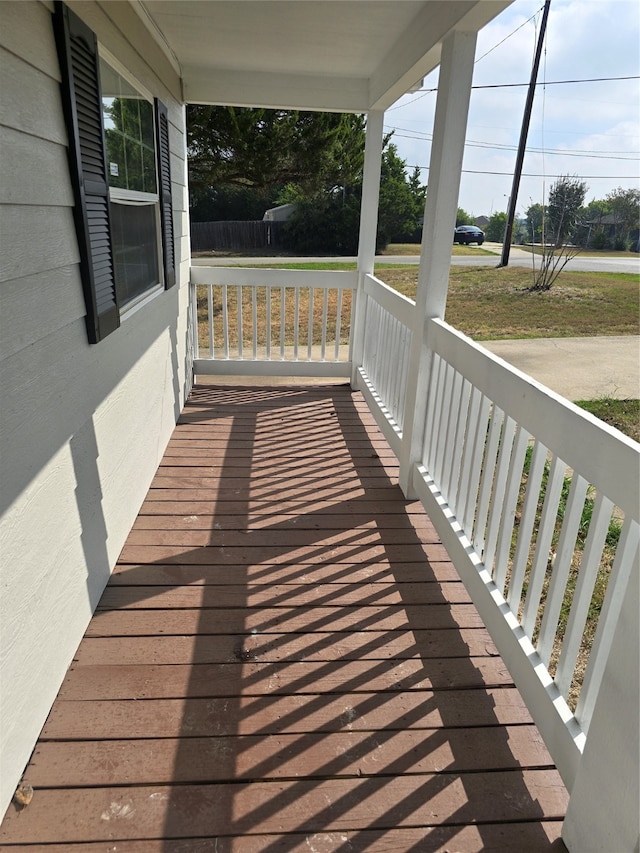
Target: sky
x=587, y=129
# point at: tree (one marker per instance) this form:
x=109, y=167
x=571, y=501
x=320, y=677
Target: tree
x=535, y=215
x=207, y=204
x=495, y=228
x=566, y=197
x=325, y=223
x=242, y=161
x=401, y=200
x=463, y=218
x=329, y=220
x=625, y=207
x=590, y=228
x=267, y=149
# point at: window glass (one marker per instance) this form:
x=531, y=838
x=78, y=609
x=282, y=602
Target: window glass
x=128, y=123
x=134, y=236
x=131, y=170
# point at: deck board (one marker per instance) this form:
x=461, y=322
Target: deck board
x=285, y=659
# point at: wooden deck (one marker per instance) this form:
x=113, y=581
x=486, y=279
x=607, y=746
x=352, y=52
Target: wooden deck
x=285, y=660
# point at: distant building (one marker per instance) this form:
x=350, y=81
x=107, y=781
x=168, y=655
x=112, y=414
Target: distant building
x=278, y=214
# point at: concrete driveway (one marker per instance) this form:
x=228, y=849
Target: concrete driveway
x=577, y=368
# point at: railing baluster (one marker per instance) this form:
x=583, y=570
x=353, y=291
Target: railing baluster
x=406, y=343
x=449, y=456
x=470, y=428
x=394, y=353
x=268, y=322
x=225, y=319
x=583, y=592
x=384, y=369
x=339, y=300
x=210, y=318
x=254, y=322
x=374, y=342
x=487, y=478
x=527, y=522
x=561, y=567
x=497, y=497
x=240, y=322
x=310, y=324
x=477, y=455
x=542, y=552
x=514, y=481
x=325, y=311
x=388, y=365
x=282, y=319
x=194, y=327
x=441, y=425
x=433, y=412
x=296, y=323
x=458, y=444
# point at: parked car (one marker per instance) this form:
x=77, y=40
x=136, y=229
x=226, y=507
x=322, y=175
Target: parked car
x=466, y=234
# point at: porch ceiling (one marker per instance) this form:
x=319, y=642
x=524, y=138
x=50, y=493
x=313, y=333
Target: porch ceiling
x=339, y=55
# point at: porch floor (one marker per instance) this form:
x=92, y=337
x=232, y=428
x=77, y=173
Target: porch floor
x=285, y=660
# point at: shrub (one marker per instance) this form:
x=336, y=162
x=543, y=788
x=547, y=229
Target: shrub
x=599, y=240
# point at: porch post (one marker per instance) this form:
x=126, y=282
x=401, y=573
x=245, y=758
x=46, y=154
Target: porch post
x=368, y=230
x=447, y=149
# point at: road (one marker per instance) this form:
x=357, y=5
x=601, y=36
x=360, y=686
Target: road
x=517, y=258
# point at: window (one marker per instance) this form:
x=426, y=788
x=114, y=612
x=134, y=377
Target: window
x=119, y=159
x=134, y=207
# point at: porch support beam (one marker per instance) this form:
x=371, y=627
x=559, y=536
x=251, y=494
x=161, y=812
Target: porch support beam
x=447, y=149
x=368, y=230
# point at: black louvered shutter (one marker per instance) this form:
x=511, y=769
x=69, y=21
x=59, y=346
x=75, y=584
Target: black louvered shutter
x=164, y=179
x=79, y=66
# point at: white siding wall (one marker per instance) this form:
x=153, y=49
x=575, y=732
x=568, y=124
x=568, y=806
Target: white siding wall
x=82, y=428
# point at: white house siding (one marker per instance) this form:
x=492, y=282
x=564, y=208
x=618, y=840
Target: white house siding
x=82, y=427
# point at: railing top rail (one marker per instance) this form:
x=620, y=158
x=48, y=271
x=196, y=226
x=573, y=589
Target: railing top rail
x=395, y=303
x=272, y=277
x=605, y=457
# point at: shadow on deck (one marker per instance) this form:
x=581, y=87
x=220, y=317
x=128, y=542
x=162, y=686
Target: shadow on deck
x=285, y=660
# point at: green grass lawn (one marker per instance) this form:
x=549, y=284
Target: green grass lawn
x=621, y=414
x=489, y=303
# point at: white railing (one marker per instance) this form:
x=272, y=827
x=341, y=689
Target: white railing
x=537, y=503
x=270, y=321
x=385, y=356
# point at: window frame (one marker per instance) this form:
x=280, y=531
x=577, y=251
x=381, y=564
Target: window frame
x=79, y=57
x=120, y=195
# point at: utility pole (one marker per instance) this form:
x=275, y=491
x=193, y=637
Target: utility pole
x=513, y=199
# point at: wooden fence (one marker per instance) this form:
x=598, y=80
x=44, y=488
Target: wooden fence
x=238, y=236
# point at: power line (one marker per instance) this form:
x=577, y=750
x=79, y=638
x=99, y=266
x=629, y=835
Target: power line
x=535, y=175
x=499, y=146
x=424, y=92
x=506, y=38
x=556, y=82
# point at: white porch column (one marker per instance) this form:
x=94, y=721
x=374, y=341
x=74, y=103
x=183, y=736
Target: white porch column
x=368, y=229
x=447, y=149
